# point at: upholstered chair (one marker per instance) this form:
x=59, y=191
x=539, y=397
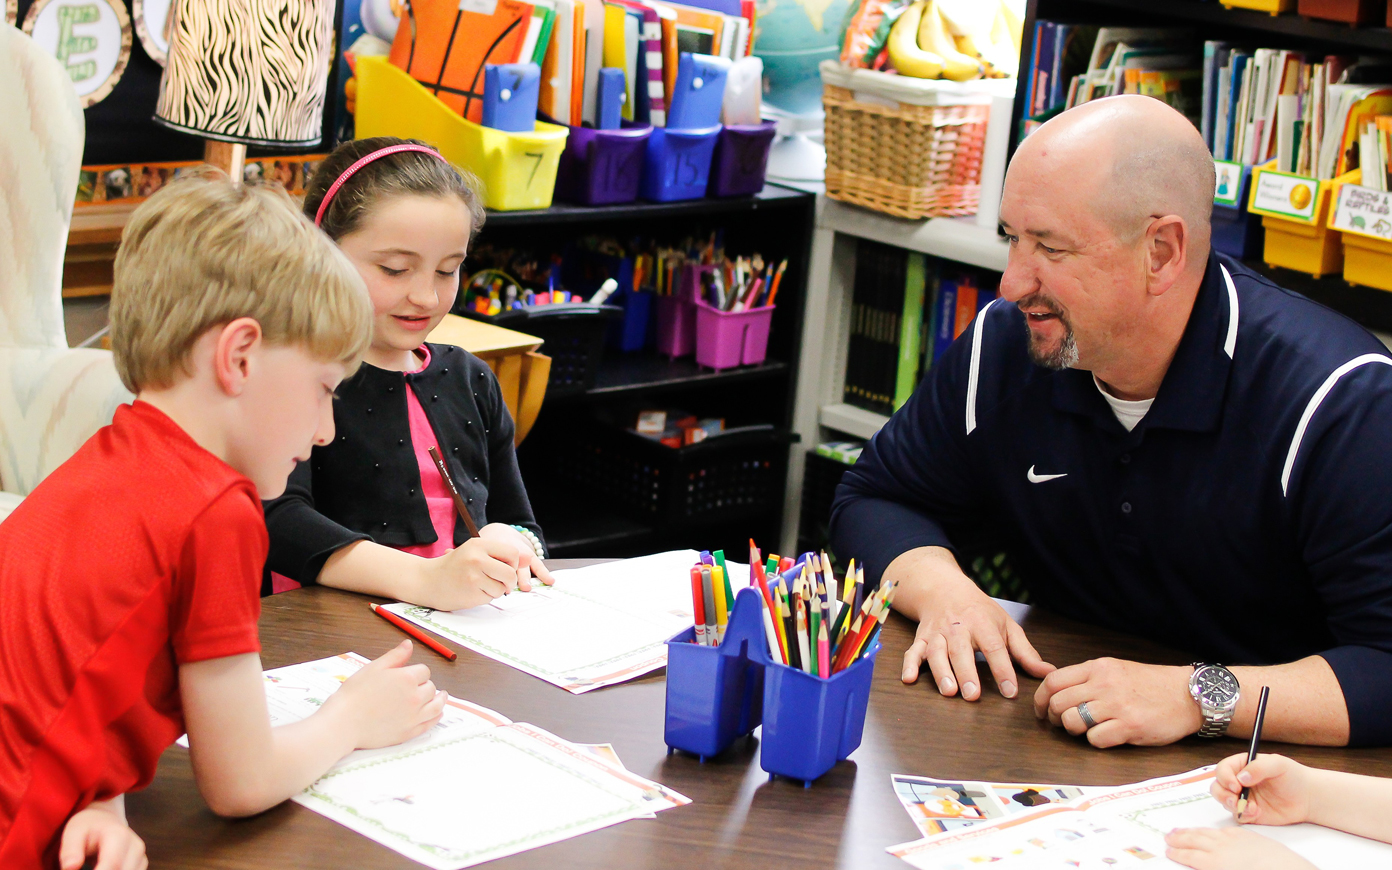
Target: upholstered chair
x=52, y=397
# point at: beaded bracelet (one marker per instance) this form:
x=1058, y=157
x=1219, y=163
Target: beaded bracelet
x=533, y=540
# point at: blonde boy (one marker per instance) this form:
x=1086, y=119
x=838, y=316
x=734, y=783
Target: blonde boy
x=129, y=578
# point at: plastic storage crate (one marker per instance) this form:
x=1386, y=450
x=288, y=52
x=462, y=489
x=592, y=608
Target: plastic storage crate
x=573, y=335
x=732, y=476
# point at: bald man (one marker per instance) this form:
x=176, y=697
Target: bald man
x=1163, y=442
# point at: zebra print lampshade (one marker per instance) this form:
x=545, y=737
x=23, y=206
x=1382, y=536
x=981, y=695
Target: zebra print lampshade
x=248, y=71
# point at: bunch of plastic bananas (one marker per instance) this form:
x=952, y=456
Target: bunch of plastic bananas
x=957, y=39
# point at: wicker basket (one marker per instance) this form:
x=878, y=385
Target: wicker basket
x=908, y=160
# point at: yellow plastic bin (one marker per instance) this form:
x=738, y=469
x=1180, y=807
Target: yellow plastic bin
x=1295, y=212
x=518, y=170
x=1275, y=7
x=1367, y=235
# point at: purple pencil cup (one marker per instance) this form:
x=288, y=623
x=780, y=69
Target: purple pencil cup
x=741, y=159
x=676, y=314
x=602, y=167
x=725, y=339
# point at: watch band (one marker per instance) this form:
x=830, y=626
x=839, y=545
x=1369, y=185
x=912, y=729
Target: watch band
x=1215, y=724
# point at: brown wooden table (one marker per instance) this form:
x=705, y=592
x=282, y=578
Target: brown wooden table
x=738, y=817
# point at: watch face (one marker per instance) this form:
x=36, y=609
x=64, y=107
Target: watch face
x=1217, y=686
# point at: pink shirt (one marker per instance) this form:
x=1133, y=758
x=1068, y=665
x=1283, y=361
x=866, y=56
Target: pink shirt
x=437, y=496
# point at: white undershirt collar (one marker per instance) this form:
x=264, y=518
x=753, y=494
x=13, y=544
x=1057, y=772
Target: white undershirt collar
x=1128, y=413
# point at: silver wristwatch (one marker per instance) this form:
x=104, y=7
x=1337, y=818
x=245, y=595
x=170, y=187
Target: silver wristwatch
x=1215, y=690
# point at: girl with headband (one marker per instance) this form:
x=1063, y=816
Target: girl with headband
x=370, y=512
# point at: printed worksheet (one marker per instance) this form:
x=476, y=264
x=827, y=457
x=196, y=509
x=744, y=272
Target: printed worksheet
x=1120, y=828
x=595, y=627
x=938, y=805
x=475, y=787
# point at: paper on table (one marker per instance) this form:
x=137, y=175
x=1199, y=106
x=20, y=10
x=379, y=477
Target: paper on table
x=475, y=787
x=938, y=805
x=595, y=627
x=1122, y=827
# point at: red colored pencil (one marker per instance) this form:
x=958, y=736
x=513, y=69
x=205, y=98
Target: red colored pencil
x=415, y=633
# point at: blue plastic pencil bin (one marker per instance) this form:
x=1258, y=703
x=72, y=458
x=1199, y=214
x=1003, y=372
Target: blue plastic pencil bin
x=1236, y=231
x=602, y=167
x=741, y=159
x=713, y=698
x=811, y=723
x=677, y=163
x=630, y=332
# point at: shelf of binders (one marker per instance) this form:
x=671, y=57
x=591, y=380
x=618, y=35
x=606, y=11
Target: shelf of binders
x=959, y=239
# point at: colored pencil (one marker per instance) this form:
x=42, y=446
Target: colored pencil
x=415, y=633
x=823, y=653
x=454, y=492
x=800, y=616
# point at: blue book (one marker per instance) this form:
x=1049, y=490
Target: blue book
x=1044, y=83
x=699, y=92
x=1058, y=88
x=510, y=92
x=945, y=317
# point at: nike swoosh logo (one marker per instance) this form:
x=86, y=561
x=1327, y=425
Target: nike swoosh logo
x=1041, y=478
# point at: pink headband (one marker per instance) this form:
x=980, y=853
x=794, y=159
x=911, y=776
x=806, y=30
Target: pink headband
x=361, y=162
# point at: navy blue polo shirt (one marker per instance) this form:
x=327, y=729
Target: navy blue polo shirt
x=1247, y=518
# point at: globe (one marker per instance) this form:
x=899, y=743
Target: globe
x=793, y=37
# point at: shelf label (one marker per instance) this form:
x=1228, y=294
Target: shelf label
x=1364, y=211
x=1228, y=183
x=1286, y=195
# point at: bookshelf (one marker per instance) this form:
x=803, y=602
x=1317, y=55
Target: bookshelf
x=778, y=222
x=820, y=413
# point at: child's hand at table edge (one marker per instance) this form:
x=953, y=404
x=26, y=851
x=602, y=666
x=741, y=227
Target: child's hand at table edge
x=388, y=701
x=101, y=830
x=529, y=565
x=1230, y=849
x=1280, y=792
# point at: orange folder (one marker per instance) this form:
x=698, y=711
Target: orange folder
x=445, y=48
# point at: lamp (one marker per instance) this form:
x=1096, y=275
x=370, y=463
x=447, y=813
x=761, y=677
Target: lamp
x=247, y=72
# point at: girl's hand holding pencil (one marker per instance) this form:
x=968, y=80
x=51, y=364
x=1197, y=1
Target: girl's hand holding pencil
x=478, y=571
x=1280, y=789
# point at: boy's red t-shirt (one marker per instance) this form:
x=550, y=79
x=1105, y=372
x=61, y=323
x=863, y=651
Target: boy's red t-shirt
x=140, y=553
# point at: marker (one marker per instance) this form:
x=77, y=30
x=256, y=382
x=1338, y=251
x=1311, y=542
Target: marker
x=722, y=613
x=708, y=601
x=415, y=633
x=1246, y=793
x=698, y=606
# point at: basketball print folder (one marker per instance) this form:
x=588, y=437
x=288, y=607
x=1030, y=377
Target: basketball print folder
x=444, y=45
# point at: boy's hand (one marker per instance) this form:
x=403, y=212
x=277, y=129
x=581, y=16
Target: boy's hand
x=388, y=701
x=1280, y=792
x=100, y=830
x=1230, y=849
x=528, y=565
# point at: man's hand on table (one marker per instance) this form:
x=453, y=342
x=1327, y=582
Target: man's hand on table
x=955, y=619
x=1147, y=705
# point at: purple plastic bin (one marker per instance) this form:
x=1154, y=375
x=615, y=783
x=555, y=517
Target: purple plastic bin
x=741, y=159
x=727, y=339
x=676, y=314
x=602, y=167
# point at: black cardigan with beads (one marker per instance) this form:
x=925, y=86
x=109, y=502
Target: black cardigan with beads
x=366, y=484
